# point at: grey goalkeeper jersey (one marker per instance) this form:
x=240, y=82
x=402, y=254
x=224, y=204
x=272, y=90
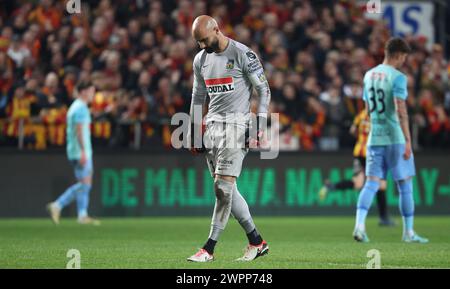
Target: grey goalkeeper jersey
x=228, y=78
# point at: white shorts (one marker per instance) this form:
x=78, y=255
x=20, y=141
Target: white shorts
x=226, y=150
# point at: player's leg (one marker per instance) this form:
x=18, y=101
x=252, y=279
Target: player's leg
x=375, y=171
x=406, y=206
x=210, y=154
x=85, y=177
x=365, y=199
x=381, y=195
x=359, y=180
x=383, y=214
x=219, y=162
x=403, y=172
x=66, y=198
x=355, y=183
x=83, y=197
x=257, y=246
x=55, y=208
x=241, y=212
x=226, y=169
x=223, y=189
x=327, y=187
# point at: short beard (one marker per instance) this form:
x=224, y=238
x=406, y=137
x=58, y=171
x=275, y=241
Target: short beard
x=213, y=48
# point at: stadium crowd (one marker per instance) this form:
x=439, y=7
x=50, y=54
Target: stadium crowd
x=139, y=55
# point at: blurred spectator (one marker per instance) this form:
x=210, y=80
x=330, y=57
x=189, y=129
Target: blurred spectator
x=17, y=52
x=139, y=55
x=433, y=121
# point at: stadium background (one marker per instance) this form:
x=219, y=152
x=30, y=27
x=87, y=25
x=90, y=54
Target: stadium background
x=139, y=54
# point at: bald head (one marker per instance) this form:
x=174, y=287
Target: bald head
x=203, y=25
x=207, y=33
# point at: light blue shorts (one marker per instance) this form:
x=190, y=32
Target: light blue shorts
x=82, y=171
x=382, y=159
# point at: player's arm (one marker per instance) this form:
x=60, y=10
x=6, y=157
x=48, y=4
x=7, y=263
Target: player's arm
x=199, y=93
x=358, y=118
x=81, y=118
x=79, y=133
x=366, y=100
x=400, y=94
x=255, y=73
x=402, y=112
x=354, y=127
x=353, y=130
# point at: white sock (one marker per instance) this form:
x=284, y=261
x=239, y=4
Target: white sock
x=361, y=227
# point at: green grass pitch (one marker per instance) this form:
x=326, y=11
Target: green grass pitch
x=295, y=242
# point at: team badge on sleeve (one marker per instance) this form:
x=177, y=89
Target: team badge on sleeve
x=253, y=62
x=262, y=77
x=251, y=56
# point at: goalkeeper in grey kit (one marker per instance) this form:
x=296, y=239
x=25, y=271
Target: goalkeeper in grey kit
x=227, y=71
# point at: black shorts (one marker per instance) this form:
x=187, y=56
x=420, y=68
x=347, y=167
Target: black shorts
x=359, y=165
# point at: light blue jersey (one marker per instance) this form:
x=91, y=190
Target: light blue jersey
x=386, y=146
x=382, y=84
x=78, y=114
x=386, y=143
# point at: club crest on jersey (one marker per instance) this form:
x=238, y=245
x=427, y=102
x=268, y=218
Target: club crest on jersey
x=230, y=64
x=219, y=85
